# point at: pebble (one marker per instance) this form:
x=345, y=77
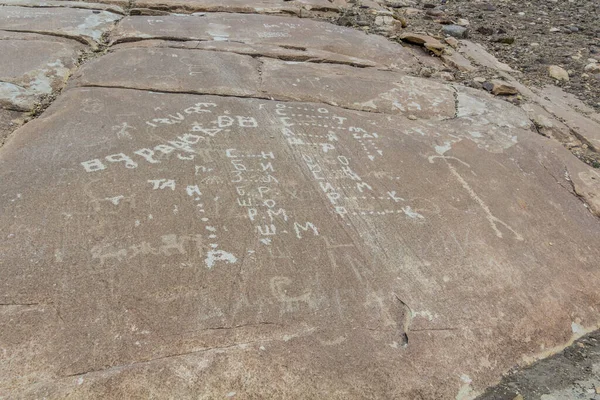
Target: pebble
x=462, y=22
x=459, y=32
x=592, y=68
x=534, y=44
x=451, y=41
x=412, y=117
x=434, y=12
x=505, y=40
x=558, y=73
x=499, y=88
x=446, y=76
x=554, y=29
x=399, y=3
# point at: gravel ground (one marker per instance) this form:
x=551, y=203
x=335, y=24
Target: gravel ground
x=530, y=36
x=570, y=375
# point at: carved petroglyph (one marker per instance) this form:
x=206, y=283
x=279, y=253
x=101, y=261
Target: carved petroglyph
x=279, y=288
x=493, y=220
x=317, y=136
x=169, y=245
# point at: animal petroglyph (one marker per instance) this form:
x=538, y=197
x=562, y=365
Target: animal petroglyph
x=279, y=289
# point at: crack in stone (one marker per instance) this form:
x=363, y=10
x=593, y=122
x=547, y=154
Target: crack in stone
x=257, y=97
x=136, y=363
x=77, y=38
x=406, y=320
x=72, y=6
x=282, y=57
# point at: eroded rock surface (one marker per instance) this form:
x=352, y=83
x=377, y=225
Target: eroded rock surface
x=205, y=212
x=84, y=25
x=239, y=6
x=267, y=30
x=31, y=69
x=72, y=4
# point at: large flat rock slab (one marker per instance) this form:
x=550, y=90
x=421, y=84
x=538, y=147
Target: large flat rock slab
x=63, y=3
x=174, y=70
x=267, y=30
x=212, y=72
x=31, y=69
x=177, y=245
x=86, y=26
x=270, y=51
x=360, y=89
x=239, y=6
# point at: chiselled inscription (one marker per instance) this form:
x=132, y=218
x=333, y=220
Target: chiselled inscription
x=264, y=166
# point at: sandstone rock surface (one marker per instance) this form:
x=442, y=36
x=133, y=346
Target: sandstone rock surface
x=238, y=205
x=279, y=31
x=84, y=25
x=30, y=69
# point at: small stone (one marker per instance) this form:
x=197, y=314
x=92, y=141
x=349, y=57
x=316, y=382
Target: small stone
x=411, y=11
x=426, y=41
x=534, y=44
x=597, y=389
x=558, y=73
x=592, y=68
x=505, y=40
x=488, y=86
x=518, y=397
x=412, y=117
x=462, y=22
x=554, y=29
x=447, y=76
x=487, y=7
x=451, y=41
x=459, y=32
x=399, y=3
x=434, y=12
x=426, y=72
x=436, y=48
x=479, y=79
x=502, y=89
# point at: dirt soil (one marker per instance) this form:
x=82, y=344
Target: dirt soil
x=530, y=36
